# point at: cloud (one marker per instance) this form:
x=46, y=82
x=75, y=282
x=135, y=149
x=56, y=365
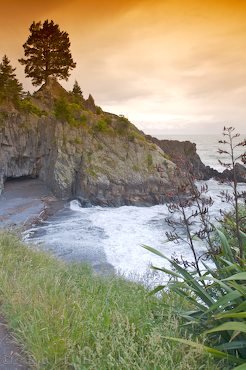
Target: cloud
x=167, y=65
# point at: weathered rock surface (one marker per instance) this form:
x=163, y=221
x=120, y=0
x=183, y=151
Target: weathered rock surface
x=240, y=173
x=184, y=154
x=100, y=163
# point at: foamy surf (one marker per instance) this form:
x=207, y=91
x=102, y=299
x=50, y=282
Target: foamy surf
x=115, y=236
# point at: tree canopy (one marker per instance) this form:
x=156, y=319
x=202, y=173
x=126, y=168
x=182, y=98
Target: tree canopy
x=10, y=87
x=47, y=52
x=77, y=89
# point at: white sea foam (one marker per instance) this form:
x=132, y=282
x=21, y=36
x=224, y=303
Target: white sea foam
x=103, y=236
x=116, y=235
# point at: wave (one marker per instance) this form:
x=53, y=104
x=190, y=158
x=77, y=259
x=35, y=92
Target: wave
x=115, y=236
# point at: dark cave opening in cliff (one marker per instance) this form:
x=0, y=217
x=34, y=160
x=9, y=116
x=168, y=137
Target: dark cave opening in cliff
x=25, y=187
x=17, y=179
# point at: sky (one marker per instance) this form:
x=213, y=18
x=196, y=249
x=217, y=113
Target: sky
x=171, y=66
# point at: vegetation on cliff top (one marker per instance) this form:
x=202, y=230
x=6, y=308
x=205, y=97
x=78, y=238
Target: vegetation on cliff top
x=10, y=87
x=47, y=52
x=47, y=57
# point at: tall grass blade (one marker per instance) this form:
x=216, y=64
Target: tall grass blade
x=213, y=351
x=231, y=326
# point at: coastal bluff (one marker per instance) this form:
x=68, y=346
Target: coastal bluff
x=81, y=152
x=184, y=154
x=99, y=158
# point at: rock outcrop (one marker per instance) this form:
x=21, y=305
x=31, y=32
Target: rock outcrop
x=240, y=173
x=81, y=152
x=184, y=154
x=101, y=159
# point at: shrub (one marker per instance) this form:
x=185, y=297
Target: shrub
x=134, y=135
x=108, y=120
x=99, y=110
x=149, y=161
x=26, y=106
x=69, y=112
x=216, y=293
x=62, y=111
x=218, y=306
x=3, y=116
x=101, y=126
x=122, y=125
x=228, y=227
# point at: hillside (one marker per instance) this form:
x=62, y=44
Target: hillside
x=80, y=151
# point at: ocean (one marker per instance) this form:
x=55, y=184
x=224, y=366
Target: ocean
x=112, y=239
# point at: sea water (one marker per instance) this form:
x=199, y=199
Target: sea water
x=113, y=238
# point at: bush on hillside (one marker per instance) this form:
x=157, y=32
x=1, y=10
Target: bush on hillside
x=69, y=112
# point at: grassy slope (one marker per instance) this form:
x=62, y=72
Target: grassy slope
x=67, y=318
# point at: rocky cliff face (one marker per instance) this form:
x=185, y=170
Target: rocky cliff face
x=101, y=159
x=184, y=154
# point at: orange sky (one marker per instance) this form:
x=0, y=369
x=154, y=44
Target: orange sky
x=171, y=66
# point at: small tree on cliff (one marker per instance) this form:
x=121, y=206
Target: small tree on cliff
x=47, y=52
x=77, y=89
x=10, y=87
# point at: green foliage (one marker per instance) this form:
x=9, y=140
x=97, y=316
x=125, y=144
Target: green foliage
x=76, y=141
x=136, y=136
x=91, y=172
x=230, y=145
x=218, y=299
x=108, y=120
x=99, y=110
x=10, y=87
x=3, y=116
x=167, y=156
x=217, y=293
x=229, y=227
x=123, y=125
x=136, y=168
x=62, y=111
x=149, y=161
x=66, y=317
x=77, y=90
x=47, y=52
x=69, y=112
x=101, y=126
x=104, y=125
x=26, y=106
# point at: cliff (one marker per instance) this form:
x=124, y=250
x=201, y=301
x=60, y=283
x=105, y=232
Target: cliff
x=80, y=151
x=184, y=154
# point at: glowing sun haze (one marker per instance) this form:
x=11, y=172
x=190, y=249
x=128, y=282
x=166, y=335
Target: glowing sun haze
x=170, y=66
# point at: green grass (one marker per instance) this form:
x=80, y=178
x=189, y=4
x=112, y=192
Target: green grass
x=68, y=318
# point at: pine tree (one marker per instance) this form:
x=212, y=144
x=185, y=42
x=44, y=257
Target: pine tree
x=47, y=52
x=77, y=90
x=10, y=87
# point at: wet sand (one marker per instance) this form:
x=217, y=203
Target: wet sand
x=26, y=202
